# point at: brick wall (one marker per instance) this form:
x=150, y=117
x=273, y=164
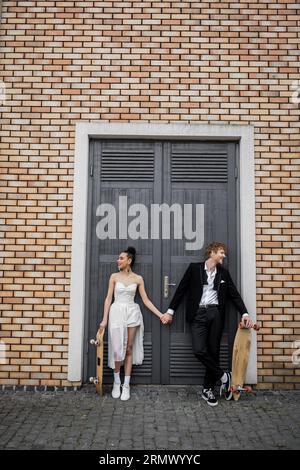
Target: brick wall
x=192, y=62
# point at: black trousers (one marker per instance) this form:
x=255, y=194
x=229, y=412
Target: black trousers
x=206, y=331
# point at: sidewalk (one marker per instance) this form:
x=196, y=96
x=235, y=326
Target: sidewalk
x=156, y=418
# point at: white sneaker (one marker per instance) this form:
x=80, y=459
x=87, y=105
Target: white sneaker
x=116, y=391
x=125, y=392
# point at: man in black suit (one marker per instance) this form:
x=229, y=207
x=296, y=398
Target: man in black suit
x=208, y=286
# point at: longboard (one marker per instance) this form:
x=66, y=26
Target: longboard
x=98, y=342
x=240, y=358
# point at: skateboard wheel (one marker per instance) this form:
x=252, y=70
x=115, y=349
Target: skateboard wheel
x=92, y=341
x=91, y=379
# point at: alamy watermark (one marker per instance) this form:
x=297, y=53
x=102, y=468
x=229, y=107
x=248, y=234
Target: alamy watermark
x=296, y=353
x=3, y=357
x=155, y=222
x=2, y=93
x=296, y=91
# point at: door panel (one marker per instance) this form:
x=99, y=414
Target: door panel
x=123, y=174
x=198, y=176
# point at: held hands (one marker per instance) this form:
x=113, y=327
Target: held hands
x=166, y=319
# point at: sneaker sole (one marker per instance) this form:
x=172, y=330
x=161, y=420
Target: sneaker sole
x=209, y=404
x=212, y=404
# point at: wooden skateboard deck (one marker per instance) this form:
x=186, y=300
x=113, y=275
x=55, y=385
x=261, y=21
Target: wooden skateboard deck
x=98, y=342
x=240, y=358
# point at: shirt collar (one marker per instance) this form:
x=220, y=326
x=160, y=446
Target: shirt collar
x=207, y=271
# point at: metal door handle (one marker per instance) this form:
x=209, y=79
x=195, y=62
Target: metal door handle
x=166, y=286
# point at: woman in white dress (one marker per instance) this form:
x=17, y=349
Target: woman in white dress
x=125, y=321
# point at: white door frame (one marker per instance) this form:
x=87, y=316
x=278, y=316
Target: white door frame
x=84, y=131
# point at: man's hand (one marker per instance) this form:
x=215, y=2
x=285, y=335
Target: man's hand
x=247, y=321
x=166, y=318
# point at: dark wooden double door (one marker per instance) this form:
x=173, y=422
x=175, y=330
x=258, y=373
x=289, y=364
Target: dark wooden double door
x=129, y=181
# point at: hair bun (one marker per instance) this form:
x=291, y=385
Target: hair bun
x=131, y=250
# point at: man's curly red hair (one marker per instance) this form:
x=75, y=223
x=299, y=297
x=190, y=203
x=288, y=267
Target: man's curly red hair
x=215, y=246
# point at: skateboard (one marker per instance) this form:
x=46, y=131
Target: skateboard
x=98, y=343
x=240, y=357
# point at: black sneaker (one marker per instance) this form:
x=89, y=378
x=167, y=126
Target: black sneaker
x=226, y=387
x=208, y=396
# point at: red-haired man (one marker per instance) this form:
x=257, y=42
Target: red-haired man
x=208, y=286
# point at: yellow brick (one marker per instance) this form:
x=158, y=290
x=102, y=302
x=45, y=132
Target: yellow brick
x=153, y=64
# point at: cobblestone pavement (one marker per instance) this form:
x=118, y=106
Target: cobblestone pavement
x=156, y=418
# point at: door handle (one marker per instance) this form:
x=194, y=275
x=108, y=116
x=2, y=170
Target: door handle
x=166, y=286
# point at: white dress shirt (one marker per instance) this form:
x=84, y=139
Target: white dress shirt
x=209, y=295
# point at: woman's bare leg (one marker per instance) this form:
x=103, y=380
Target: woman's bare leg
x=128, y=357
x=117, y=367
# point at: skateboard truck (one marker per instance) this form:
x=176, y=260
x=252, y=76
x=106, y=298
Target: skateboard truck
x=239, y=389
x=94, y=380
x=94, y=342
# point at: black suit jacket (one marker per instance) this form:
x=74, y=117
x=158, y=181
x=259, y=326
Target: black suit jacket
x=192, y=285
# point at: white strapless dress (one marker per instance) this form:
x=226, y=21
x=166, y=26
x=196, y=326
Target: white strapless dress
x=124, y=313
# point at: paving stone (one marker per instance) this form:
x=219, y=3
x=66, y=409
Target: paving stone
x=155, y=418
